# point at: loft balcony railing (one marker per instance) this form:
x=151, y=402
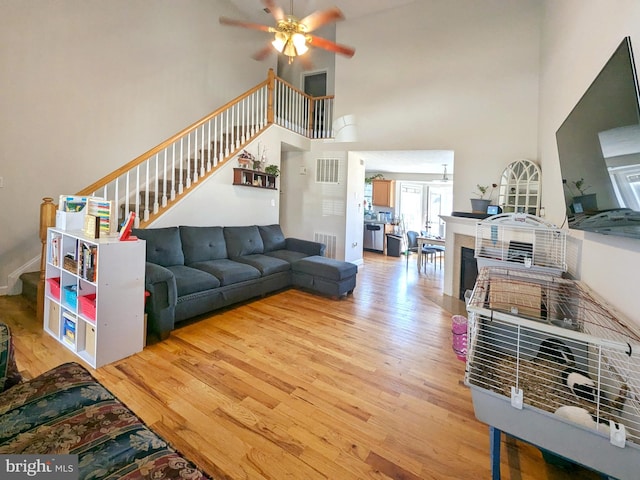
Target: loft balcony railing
x=149, y=183
x=152, y=182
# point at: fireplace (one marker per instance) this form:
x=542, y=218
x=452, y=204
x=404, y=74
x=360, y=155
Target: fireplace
x=468, y=270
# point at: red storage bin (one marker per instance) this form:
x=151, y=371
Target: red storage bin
x=54, y=287
x=88, y=306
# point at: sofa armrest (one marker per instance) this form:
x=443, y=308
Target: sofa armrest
x=305, y=246
x=161, y=304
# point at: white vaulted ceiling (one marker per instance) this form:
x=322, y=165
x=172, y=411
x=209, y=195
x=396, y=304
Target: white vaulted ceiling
x=254, y=9
x=396, y=161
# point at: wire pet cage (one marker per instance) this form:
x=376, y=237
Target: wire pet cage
x=549, y=363
x=520, y=240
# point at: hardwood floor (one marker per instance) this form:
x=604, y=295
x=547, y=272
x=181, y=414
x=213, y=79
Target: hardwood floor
x=297, y=386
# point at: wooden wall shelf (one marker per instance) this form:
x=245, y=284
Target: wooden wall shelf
x=253, y=178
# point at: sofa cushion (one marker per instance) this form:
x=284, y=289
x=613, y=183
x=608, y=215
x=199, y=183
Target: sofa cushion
x=267, y=265
x=191, y=280
x=163, y=245
x=272, y=237
x=289, y=256
x=228, y=271
x=202, y=243
x=243, y=241
x=324, y=267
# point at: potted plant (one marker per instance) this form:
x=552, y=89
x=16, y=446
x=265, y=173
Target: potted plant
x=484, y=192
x=245, y=159
x=272, y=170
x=584, y=201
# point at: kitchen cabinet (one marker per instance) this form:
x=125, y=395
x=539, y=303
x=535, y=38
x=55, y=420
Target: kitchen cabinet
x=384, y=193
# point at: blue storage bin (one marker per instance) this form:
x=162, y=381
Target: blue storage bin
x=71, y=296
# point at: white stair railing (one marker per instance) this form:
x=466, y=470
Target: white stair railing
x=149, y=183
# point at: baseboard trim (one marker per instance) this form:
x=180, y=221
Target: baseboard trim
x=14, y=284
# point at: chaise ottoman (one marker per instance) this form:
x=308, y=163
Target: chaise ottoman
x=324, y=275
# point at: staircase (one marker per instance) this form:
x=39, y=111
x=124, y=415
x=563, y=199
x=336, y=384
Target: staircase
x=30, y=287
x=153, y=182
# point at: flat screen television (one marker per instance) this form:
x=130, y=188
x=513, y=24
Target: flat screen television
x=599, y=151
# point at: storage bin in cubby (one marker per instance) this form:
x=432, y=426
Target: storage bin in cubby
x=54, y=287
x=71, y=296
x=87, y=305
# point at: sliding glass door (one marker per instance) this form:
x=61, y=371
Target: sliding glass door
x=422, y=203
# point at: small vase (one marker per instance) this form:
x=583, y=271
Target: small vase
x=588, y=202
x=479, y=205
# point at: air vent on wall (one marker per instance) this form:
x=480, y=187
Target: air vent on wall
x=329, y=240
x=327, y=170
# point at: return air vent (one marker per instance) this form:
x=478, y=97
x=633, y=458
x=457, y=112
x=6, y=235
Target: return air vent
x=327, y=170
x=329, y=240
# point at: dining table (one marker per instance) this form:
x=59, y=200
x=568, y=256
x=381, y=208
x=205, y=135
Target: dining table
x=427, y=240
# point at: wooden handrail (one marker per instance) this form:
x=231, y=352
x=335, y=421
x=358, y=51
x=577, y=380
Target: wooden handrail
x=148, y=154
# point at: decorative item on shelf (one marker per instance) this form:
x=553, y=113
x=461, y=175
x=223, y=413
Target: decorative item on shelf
x=272, y=170
x=584, y=202
x=246, y=159
x=91, y=226
x=484, y=192
x=263, y=155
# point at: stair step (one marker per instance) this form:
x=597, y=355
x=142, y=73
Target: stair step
x=30, y=287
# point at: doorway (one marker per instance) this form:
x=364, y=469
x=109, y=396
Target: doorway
x=315, y=85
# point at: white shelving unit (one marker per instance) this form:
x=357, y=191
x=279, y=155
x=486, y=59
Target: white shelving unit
x=94, y=300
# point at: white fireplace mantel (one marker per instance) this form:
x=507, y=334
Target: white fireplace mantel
x=461, y=232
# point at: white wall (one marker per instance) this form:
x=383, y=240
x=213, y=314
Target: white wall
x=88, y=86
x=453, y=75
x=313, y=207
x=218, y=202
x=578, y=39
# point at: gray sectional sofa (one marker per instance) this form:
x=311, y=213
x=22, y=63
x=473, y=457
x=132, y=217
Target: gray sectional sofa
x=193, y=270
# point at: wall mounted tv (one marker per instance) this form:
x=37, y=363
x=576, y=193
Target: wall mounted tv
x=599, y=151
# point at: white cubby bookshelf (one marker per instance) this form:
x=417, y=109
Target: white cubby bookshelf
x=94, y=296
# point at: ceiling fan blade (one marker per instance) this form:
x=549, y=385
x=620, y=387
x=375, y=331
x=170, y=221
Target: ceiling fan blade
x=263, y=53
x=321, y=17
x=331, y=46
x=274, y=9
x=240, y=23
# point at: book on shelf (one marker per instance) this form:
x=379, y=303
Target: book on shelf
x=88, y=262
x=72, y=203
x=125, y=231
x=69, y=330
x=91, y=226
x=55, y=249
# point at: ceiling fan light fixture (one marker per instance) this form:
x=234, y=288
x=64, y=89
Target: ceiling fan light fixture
x=300, y=43
x=289, y=49
x=280, y=41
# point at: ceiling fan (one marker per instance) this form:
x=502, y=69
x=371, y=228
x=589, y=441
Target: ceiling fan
x=293, y=36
